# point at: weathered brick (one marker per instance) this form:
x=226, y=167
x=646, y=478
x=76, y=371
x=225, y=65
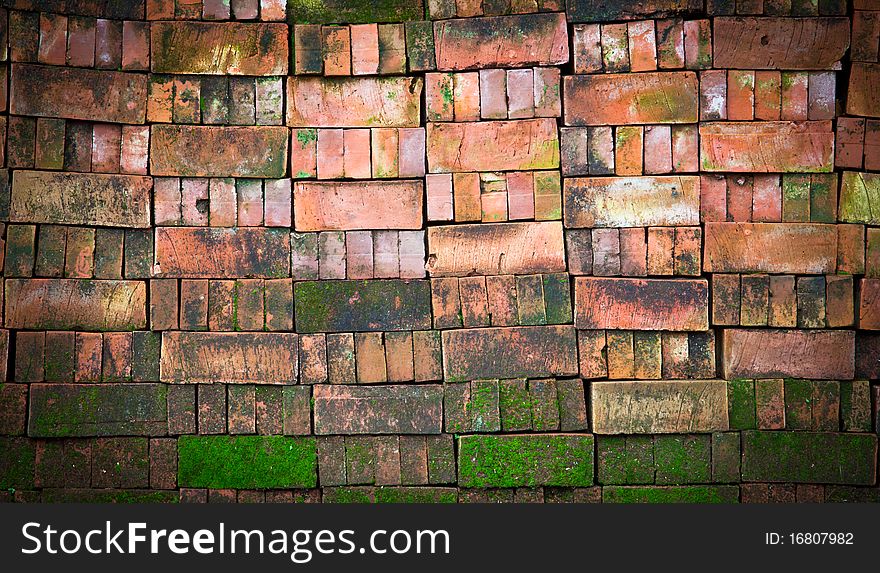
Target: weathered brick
x=265, y=462
x=200, y=252
x=809, y=457
x=75, y=304
x=269, y=358
x=378, y=409
x=233, y=48
x=659, y=407
x=76, y=93
x=68, y=410
x=350, y=102
x=529, y=460
x=631, y=201
x=588, y=11
x=503, y=41
x=492, y=146
x=801, y=248
x=860, y=198
x=525, y=351
x=208, y=151
x=322, y=206
x=357, y=306
x=80, y=199
x=662, y=304
x=780, y=43
x=608, y=99
x=816, y=354
x=497, y=249
x=770, y=146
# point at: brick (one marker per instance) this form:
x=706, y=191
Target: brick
x=296, y=402
x=264, y=462
x=498, y=352
x=75, y=304
x=698, y=44
x=668, y=304
x=606, y=99
x=625, y=460
x=378, y=410
x=81, y=42
x=269, y=358
x=767, y=95
x=320, y=206
x=795, y=95
x=614, y=407
x=96, y=410
x=787, y=353
x=340, y=306
x=516, y=461
x=808, y=457
x=349, y=102
x=504, y=41
x=755, y=298
x=861, y=98
x=465, y=96
x=80, y=199
x=631, y=201
x=765, y=43
x=76, y=93
x=249, y=198
x=766, y=147
x=859, y=192
x=49, y=152
x=671, y=494
x=502, y=248
x=800, y=248
x=205, y=48
x=20, y=250
x=194, y=252
x=486, y=146
x=207, y=151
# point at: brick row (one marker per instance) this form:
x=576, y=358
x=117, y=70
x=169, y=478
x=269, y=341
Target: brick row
x=215, y=100
x=358, y=255
x=380, y=153
x=493, y=197
x=358, y=49
x=635, y=251
x=769, y=95
x=629, y=150
x=646, y=355
x=789, y=198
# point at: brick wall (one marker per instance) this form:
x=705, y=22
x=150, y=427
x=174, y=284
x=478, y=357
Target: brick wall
x=439, y=250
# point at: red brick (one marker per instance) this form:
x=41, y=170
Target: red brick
x=766, y=199
x=266, y=358
x=194, y=198
x=670, y=43
x=135, y=45
x=88, y=356
x=631, y=201
x=661, y=242
x=81, y=42
x=658, y=149
x=205, y=48
x=193, y=252
x=503, y=41
x=628, y=150
x=378, y=410
x=602, y=303
x=815, y=354
x=503, y=248
x=770, y=404
x=350, y=102
x=869, y=304
x=607, y=99
x=399, y=356
x=80, y=253
x=642, y=46
x=75, y=304
x=767, y=147
x=365, y=205
x=163, y=304
x=439, y=197
x=205, y=151
x=800, y=248
x=492, y=146
x=713, y=95
x=13, y=399
x=466, y=96
x=615, y=56
x=795, y=96
x=520, y=94
x=53, y=39
x=337, y=50
x=303, y=153
x=440, y=97
x=531, y=351
x=698, y=44
x=163, y=463
x=767, y=95
x=767, y=43
x=740, y=95
x=364, y=49
x=587, y=51
x=49, y=153
x=75, y=93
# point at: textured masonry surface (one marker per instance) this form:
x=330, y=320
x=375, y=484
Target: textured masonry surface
x=439, y=251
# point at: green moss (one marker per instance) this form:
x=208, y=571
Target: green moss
x=16, y=463
x=625, y=459
x=741, y=404
x=416, y=495
x=525, y=460
x=683, y=494
x=353, y=11
x=306, y=136
x=247, y=462
x=682, y=459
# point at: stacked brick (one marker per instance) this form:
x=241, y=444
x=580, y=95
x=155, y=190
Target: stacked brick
x=439, y=251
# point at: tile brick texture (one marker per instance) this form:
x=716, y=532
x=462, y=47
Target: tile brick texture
x=439, y=251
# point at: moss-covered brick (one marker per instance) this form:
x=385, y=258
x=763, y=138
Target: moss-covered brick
x=848, y=494
x=823, y=197
x=525, y=460
x=145, y=356
x=354, y=11
x=726, y=457
x=138, y=253
x=809, y=457
x=20, y=250
x=545, y=405
x=371, y=409
x=557, y=298
x=741, y=404
x=855, y=406
x=515, y=406
x=390, y=495
x=247, y=462
x=682, y=459
x=625, y=459
x=812, y=405
x=860, y=198
x=441, y=459
x=80, y=410
x=77, y=495
x=362, y=306
x=483, y=406
x=16, y=463
x=530, y=300
x=680, y=494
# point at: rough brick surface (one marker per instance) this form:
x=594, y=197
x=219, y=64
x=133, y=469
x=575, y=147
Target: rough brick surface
x=439, y=251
